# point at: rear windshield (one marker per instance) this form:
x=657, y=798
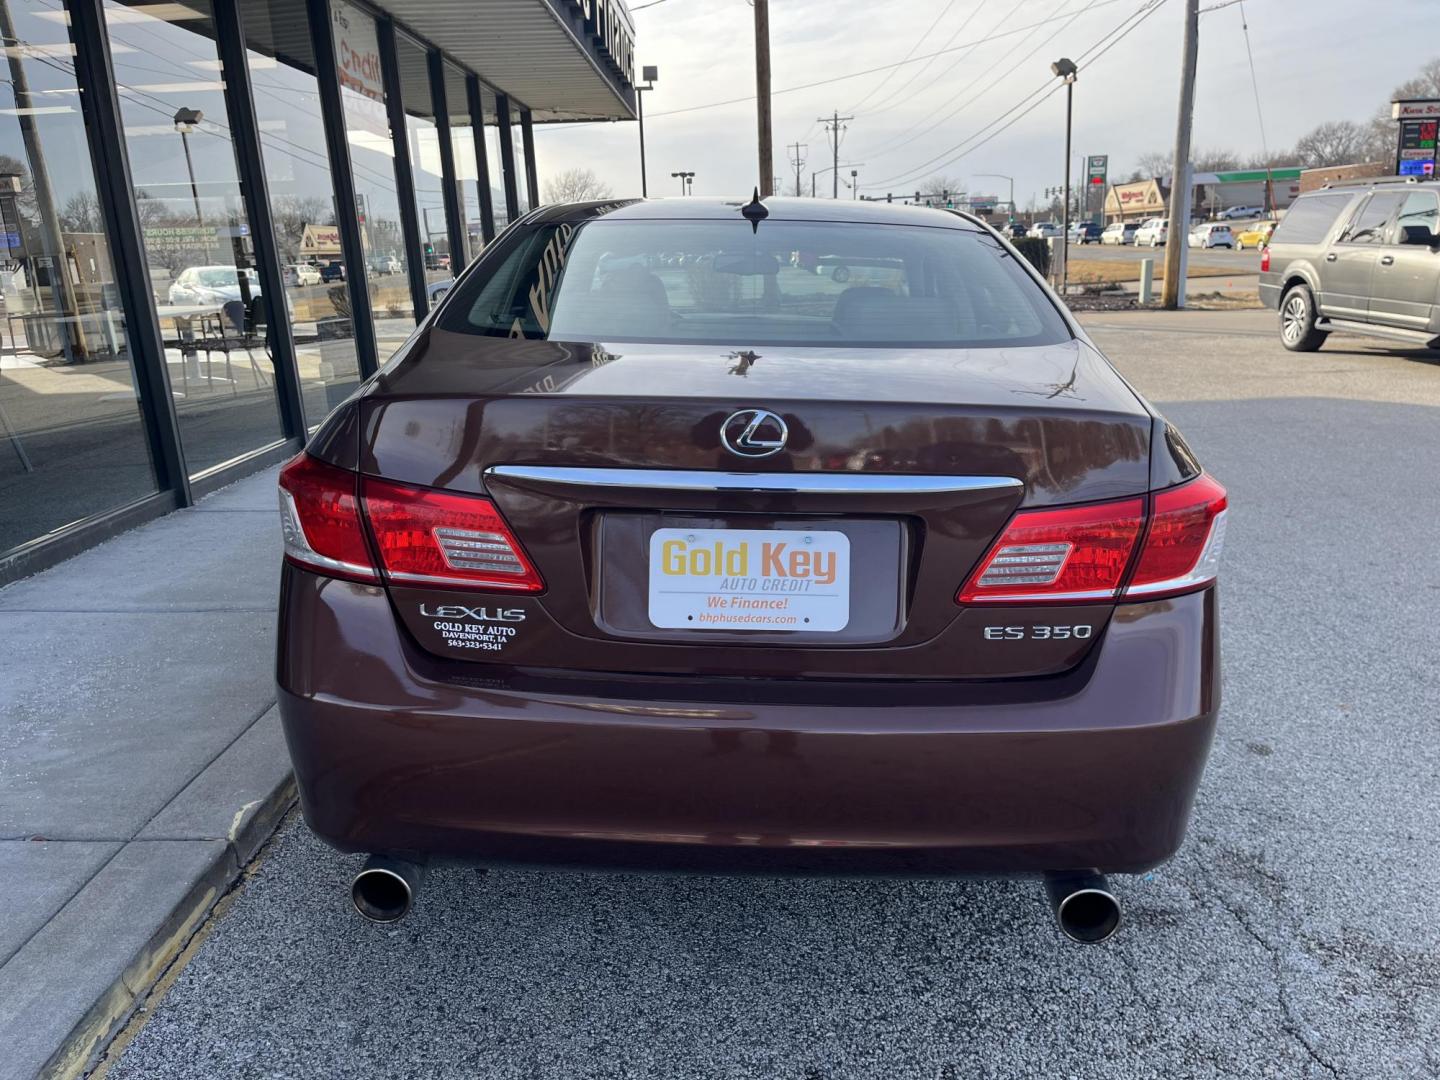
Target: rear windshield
x=1309, y=219
x=722, y=282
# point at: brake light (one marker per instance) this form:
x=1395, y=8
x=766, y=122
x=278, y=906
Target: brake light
x=427, y=536
x=1265, y=258
x=320, y=520
x=1074, y=553
x=1182, y=547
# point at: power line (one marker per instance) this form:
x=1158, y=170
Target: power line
x=918, y=42
x=642, y=7
x=897, y=94
x=903, y=138
x=1117, y=35
x=873, y=70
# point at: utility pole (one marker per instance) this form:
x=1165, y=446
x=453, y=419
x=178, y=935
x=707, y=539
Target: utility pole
x=1172, y=296
x=833, y=126
x=762, y=95
x=798, y=161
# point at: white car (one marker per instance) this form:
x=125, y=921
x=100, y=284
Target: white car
x=302, y=274
x=1119, y=232
x=1212, y=235
x=211, y=285
x=1152, y=233
x=1236, y=213
x=1045, y=230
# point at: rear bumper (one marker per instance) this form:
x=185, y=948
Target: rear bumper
x=1269, y=294
x=1096, y=769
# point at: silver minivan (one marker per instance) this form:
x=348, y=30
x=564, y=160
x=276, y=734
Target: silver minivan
x=1362, y=257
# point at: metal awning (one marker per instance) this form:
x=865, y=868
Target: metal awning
x=539, y=52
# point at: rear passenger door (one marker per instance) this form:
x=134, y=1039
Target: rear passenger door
x=1349, y=266
x=1404, y=289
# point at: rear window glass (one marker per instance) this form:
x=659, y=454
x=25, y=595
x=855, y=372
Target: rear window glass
x=1310, y=218
x=722, y=282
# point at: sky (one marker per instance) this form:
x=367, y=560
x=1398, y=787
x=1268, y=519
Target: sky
x=1314, y=61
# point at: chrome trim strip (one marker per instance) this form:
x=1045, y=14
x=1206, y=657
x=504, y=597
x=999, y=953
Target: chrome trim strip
x=767, y=483
x=1041, y=598
x=402, y=577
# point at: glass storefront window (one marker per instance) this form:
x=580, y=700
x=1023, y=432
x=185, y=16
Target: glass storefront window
x=522, y=188
x=462, y=142
x=492, y=155
x=372, y=162
x=302, y=202
x=425, y=163
x=72, y=441
x=196, y=233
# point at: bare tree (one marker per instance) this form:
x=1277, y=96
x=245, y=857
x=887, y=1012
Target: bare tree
x=1335, y=142
x=575, y=185
x=939, y=185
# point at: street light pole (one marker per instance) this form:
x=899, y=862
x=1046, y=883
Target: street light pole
x=650, y=74
x=185, y=122
x=686, y=179
x=1065, y=68
x=1002, y=176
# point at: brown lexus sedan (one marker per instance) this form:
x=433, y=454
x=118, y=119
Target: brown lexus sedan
x=786, y=537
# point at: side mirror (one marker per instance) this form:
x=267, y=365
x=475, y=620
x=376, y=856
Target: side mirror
x=1417, y=235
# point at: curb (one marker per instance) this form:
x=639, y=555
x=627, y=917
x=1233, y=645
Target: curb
x=80, y=1049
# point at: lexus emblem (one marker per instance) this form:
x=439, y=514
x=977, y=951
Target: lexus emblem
x=754, y=433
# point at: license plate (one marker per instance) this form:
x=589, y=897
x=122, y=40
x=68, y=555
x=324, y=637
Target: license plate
x=749, y=579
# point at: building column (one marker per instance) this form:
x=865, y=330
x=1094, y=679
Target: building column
x=532, y=177
x=245, y=133
x=352, y=245
x=507, y=157
x=482, y=163
x=95, y=75
x=454, y=220
x=404, y=178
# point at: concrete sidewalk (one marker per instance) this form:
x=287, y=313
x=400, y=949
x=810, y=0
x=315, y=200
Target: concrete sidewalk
x=141, y=764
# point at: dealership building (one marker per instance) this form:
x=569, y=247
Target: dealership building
x=218, y=216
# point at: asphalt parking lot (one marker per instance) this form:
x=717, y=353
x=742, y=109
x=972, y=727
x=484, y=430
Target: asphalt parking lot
x=1294, y=936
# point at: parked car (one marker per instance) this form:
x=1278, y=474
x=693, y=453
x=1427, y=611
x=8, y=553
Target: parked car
x=1086, y=232
x=1045, y=230
x=1240, y=213
x=1211, y=235
x=298, y=274
x=1153, y=232
x=385, y=264
x=212, y=285
x=1363, y=256
x=1119, y=232
x=332, y=271
x=588, y=599
x=1254, y=236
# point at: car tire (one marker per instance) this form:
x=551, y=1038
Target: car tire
x=1297, y=321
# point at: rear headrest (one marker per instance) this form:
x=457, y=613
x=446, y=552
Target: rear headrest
x=880, y=315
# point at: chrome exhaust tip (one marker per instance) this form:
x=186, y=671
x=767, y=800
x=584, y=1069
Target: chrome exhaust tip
x=384, y=890
x=1085, y=908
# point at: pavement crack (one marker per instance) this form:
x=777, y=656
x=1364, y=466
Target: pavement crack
x=1290, y=1024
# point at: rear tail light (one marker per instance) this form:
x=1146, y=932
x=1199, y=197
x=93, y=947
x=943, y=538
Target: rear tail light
x=1182, y=547
x=1075, y=553
x=440, y=538
x=1265, y=258
x=320, y=519
x=423, y=536
x=1082, y=552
